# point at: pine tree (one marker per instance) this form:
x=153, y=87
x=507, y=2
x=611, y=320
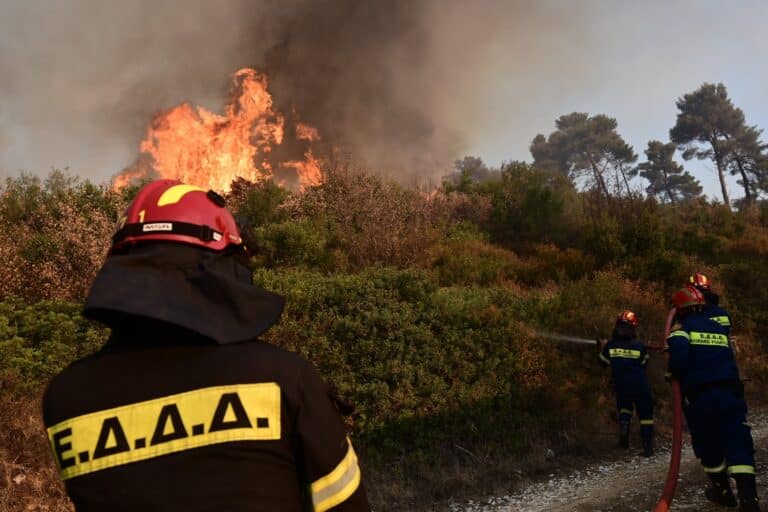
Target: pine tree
x=667, y=179
x=748, y=160
x=586, y=146
x=710, y=127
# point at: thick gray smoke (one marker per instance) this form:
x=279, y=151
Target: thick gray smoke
x=80, y=80
x=356, y=71
x=404, y=86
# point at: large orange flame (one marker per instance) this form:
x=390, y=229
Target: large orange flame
x=210, y=150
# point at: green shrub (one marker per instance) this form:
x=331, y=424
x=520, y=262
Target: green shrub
x=589, y=306
x=472, y=262
x=258, y=204
x=603, y=239
x=291, y=243
x=547, y=263
x=746, y=284
x=530, y=205
x=402, y=349
x=54, y=235
x=39, y=340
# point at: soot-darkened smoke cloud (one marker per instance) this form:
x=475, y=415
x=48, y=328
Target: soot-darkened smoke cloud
x=354, y=70
x=80, y=80
x=405, y=87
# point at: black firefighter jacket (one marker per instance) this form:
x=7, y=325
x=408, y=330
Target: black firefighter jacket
x=169, y=422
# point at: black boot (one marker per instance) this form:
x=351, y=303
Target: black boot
x=720, y=491
x=648, y=446
x=623, y=435
x=747, y=488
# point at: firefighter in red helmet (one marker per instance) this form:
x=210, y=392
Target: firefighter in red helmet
x=702, y=359
x=712, y=307
x=628, y=358
x=184, y=409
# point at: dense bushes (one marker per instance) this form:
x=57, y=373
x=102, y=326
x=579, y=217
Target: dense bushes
x=39, y=340
x=530, y=205
x=399, y=346
x=424, y=310
x=53, y=235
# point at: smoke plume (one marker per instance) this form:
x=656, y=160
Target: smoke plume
x=355, y=71
x=403, y=87
x=98, y=72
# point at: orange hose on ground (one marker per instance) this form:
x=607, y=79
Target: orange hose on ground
x=677, y=436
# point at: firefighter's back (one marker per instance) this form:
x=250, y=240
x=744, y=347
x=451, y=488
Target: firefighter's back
x=628, y=358
x=710, y=355
x=152, y=424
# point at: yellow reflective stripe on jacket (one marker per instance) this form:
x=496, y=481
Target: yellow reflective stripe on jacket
x=741, y=470
x=722, y=320
x=135, y=432
x=646, y=422
x=709, y=339
x=624, y=352
x=716, y=469
x=339, y=484
x=682, y=334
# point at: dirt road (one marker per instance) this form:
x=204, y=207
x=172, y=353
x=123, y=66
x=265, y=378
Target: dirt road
x=632, y=484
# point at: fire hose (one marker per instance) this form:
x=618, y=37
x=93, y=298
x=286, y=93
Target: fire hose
x=677, y=436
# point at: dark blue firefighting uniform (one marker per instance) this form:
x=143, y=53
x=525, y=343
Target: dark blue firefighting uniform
x=719, y=315
x=628, y=359
x=702, y=359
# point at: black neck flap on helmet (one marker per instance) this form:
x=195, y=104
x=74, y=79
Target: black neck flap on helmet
x=210, y=293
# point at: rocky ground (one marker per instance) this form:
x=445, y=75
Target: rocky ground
x=626, y=484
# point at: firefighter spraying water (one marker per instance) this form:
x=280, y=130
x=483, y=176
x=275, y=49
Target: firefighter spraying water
x=628, y=358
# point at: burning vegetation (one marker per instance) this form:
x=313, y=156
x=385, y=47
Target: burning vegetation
x=251, y=140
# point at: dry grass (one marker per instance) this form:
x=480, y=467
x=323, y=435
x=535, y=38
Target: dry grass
x=29, y=480
x=52, y=247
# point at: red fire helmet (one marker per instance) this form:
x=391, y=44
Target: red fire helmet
x=700, y=281
x=628, y=317
x=687, y=297
x=171, y=211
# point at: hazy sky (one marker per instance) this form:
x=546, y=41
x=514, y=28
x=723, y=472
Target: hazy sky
x=79, y=80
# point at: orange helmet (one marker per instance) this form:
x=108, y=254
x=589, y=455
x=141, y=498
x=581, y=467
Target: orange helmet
x=700, y=281
x=687, y=297
x=170, y=211
x=628, y=317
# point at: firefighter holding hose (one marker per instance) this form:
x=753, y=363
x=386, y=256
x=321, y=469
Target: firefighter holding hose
x=184, y=409
x=702, y=359
x=628, y=358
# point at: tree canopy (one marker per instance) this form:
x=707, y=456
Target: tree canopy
x=590, y=147
x=710, y=127
x=468, y=171
x=667, y=180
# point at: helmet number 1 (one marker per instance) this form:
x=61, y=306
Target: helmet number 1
x=141, y=216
